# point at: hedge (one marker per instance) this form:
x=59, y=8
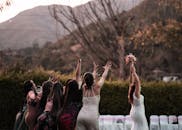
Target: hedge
x=160, y=98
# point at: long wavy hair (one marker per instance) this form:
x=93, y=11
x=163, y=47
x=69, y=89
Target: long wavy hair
x=46, y=86
x=130, y=93
x=28, y=85
x=70, y=91
x=56, y=94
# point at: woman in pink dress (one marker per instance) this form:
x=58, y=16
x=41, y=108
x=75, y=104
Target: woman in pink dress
x=36, y=104
x=48, y=119
x=33, y=101
x=20, y=117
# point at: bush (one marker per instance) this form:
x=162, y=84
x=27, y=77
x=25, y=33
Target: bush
x=160, y=98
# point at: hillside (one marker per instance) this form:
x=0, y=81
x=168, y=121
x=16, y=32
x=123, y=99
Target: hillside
x=154, y=36
x=36, y=26
x=27, y=28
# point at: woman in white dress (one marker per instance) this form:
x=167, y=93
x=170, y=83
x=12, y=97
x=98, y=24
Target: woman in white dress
x=88, y=116
x=135, y=98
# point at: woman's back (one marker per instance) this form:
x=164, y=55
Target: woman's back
x=71, y=107
x=137, y=107
x=137, y=114
x=32, y=110
x=91, y=101
x=89, y=114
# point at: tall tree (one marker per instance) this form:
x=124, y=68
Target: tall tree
x=99, y=23
x=4, y=4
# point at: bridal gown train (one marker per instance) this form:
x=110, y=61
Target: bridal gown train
x=137, y=114
x=88, y=116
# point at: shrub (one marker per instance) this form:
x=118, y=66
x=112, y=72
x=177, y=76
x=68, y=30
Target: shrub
x=160, y=98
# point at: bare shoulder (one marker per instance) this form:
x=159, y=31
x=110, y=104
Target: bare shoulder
x=96, y=88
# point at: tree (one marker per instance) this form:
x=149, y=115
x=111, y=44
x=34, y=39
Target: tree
x=99, y=23
x=4, y=4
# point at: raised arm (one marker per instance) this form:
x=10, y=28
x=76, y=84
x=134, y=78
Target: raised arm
x=132, y=80
x=31, y=95
x=104, y=75
x=95, y=75
x=78, y=72
x=136, y=81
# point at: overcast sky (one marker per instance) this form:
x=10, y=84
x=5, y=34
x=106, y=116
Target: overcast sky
x=18, y=6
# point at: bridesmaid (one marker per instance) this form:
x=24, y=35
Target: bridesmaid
x=89, y=113
x=33, y=101
x=20, y=117
x=47, y=120
x=72, y=102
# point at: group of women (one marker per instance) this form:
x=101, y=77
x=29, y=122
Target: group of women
x=75, y=105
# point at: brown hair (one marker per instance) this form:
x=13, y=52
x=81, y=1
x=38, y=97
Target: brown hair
x=56, y=94
x=88, y=79
x=70, y=92
x=46, y=86
x=130, y=93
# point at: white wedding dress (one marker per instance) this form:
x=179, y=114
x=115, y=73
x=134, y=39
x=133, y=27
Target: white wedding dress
x=137, y=114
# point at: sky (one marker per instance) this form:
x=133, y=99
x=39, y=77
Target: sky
x=18, y=6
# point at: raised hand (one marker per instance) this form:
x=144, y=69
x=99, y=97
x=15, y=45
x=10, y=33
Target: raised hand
x=95, y=66
x=132, y=67
x=108, y=65
x=78, y=71
x=95, y=70
x=80, y=60
x=130, y=58
x=53, y=78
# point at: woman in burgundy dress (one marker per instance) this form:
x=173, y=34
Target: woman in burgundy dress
x=71, y=107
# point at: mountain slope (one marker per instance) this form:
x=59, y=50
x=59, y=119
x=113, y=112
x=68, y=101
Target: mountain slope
x=37, y=26
x=153, y=36
x=27, y=28
x=158, y=25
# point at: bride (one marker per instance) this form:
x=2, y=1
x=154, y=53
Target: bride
x=135, y=98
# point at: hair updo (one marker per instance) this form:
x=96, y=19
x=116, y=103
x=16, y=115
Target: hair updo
x=89, y=79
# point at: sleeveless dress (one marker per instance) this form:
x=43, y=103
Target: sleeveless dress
x=137, y=114
x=46, y=120
x=89, y=114
x=32, y=113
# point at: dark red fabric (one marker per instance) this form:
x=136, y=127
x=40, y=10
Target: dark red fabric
x=67, y=119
